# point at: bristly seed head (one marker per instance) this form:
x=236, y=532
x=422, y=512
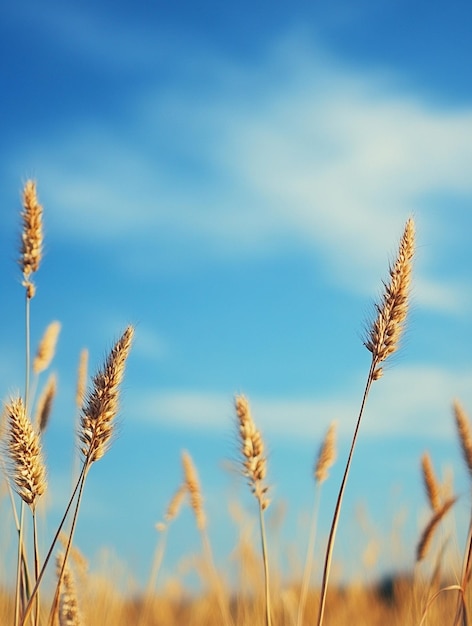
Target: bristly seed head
x=192, y=484
x=47, y=347
x=385, y=332
x=101, y=406
x=327, y=454
x=26, y=468
x=31, y=237
x=254, y=462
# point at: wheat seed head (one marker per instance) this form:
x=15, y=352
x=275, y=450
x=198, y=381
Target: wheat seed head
x=192, y=483
x=68, y=604
x=46, y=348
x=101, y=405
x=386, y=330
x=432, y=487
x=254, y=461
x=82, y=378
x=327, y=454
x=427, y=535
x=26, y=467
x=465, y=436
x=45, y=402
x=175, y=503
x=31, y=248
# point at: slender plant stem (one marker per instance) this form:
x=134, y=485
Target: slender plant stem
x=18, y=564
x=337, y=510
x=309, y=557
x=266, y=565
x=22, y=506
x=55, y=602
x=51, y=548
x=36, y=563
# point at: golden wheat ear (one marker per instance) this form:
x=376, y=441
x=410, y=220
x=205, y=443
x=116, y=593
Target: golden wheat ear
x=254, y=461
x=31, y=249
x=101, y=405
x=431, y=485
x=383, y=338
x=192, y=484
x=27, y=471
x=46, y=348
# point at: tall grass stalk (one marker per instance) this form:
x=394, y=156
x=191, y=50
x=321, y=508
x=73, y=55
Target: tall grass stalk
x=382, y=340
x=254, y=468
x=326, y=457
x=194, y=491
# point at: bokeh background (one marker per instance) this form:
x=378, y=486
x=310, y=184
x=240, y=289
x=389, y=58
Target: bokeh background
x=233, y=179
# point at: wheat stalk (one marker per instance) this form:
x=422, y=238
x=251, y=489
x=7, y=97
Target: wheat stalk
x=254, y=468
x=27, y=473
x=325, y=459
x=193, y=488
x=382, y=340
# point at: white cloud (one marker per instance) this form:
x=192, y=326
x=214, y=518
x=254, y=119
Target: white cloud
x=408, y=401
x=298, y=150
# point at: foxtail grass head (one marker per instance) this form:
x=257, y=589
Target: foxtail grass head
x=384, y=335
x=326, y=455
x=193, y=488
x=254, y=461
x=26, y=467
x=46, y=348
x=31, y=249
x=101, y=405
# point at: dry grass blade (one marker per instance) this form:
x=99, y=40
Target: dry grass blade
x=26, y=469
x=465, y=436
x=46, y=348
x=192, y=483
x=385, y=332
x=45, y=402
x=431, y=485
x=427, y=535
x=327, y=455
x=31, y=249
x=101, y=406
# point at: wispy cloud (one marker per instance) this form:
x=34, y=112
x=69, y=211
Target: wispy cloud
x=408, y=401
x=297, y=151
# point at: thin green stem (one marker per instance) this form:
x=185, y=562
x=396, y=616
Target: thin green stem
x=337, y=510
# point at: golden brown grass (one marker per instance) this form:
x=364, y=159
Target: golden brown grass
x=263, y=596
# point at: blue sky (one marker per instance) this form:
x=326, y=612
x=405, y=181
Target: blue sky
x=233, y=180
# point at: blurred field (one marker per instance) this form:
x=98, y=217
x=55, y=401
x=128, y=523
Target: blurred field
x=435, y=592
